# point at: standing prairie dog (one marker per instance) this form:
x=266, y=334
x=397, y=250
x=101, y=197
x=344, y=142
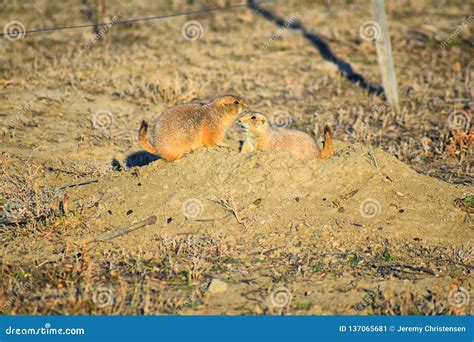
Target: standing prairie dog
x=184, y=128
x=260, y=136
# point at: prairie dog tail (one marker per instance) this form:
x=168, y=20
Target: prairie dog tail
x=144, y=139
x=328, y=146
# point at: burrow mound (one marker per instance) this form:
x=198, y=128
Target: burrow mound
x=357, y=191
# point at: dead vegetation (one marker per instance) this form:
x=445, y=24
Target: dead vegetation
x=177, y=281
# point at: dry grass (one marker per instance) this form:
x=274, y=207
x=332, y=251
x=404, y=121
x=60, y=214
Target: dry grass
x=119, y=283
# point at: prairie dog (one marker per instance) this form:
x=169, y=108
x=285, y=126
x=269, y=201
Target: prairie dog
x=260, y=136
x=184, y=128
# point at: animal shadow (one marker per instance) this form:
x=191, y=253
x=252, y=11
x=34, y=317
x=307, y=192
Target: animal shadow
x=140, y=158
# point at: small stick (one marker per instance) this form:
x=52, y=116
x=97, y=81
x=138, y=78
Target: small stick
x=113, y=234
x=12, y=222
x=228, y=204
x=103, y=237
x=211, y=219
x=78, y=184
x=372, y=159
x=416, y=268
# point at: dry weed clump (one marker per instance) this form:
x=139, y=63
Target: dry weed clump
x=461, y=145
x=22, y=198
x=411, y=302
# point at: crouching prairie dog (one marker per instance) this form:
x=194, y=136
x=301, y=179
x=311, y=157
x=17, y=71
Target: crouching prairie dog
x=260, y=136
x=184, y=128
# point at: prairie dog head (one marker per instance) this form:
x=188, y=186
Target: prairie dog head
x=231, y=105
x=254, y=124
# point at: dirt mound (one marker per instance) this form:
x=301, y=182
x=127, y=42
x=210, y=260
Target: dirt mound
x=221, y=192
x=356, y=191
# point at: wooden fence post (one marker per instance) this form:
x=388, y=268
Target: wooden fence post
x=100, y=14
x=384, y=55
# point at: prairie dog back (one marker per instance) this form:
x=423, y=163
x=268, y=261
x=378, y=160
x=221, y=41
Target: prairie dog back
x=184, y=128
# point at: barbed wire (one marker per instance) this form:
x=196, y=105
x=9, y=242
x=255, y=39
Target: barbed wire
x=127, y=21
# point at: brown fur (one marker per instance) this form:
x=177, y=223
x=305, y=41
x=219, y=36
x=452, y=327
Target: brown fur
x=184, y=128
x=261, y=137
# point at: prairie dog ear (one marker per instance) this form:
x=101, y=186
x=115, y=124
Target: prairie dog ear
x=221, y=102
x=228, y=104
x=263, y=120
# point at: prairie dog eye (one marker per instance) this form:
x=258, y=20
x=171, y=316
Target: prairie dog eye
x=236, y=102
x=254, y=117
